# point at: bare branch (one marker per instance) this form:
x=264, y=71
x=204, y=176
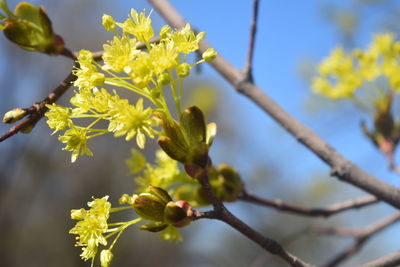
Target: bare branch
x=38, y=110
x=313, y=212
x=340, y=166
x=222, y=214
x=360, y=235
x=385, y=261
x=248, y=68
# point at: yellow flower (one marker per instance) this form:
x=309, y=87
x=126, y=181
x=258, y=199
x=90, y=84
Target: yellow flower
x=88, y=76
x=338, y=78
x=118, y=53
x=141, y=70
x=185, y=40
x=131, y=120
x=91, y=226
x=164, y=57
x=58, y=117
x=75, y=140
x=138, y=25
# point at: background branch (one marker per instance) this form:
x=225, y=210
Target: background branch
x=340, y=166
x=313, y=212
x=360, y=235
x=248, y=67
x=385, y=261
x=223, y=214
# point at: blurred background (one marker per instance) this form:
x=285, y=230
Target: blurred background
x=39, y=186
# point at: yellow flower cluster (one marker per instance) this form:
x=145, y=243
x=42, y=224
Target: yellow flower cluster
x=91, y=226
x=341, y=74
x=144, y=72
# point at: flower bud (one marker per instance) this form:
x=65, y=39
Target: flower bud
x=183, y=70
x=165, y=30
x=151, y=205
x=178, y=213
x=126, y=199
x=209, y=55
x=108, y=22
x=106, y=257
x=14, y=115
x=164, y=79
x=27, y=129
x=30, y=28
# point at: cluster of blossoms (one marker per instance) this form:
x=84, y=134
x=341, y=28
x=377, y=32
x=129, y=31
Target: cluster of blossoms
x=341, y=74
x=133, y=62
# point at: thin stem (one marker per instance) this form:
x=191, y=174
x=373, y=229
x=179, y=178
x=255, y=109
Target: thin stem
x=312, y=212
x=253, y=29
x=385, y=261
x=360, y=235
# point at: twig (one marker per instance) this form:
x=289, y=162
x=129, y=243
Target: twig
x=250, y=53
x=385, y=261
x=38, y=110
x=222, y=214
x=313, y=212
x=360, y=235
x=340, y=166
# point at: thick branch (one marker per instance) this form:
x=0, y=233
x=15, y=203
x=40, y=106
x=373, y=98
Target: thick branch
x=340, y=166
x=222, y=214
x=313, y=212
x=360, y=235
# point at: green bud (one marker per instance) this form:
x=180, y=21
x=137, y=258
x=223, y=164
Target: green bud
x=178, y=213
x=14, y=115
x=192, y=121
x=27, y=129
x=106, y=257
x=30, y=28
x=173, y=150
x=183, y=70
x=154, y=227
x=226, y=182
x=151, y=205
x=163, y=79
x=211, y=133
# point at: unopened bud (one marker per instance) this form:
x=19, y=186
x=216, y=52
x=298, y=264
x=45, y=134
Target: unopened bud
x=14, y=115
x=108, y=22
x=209, y=55
x=183, y=70
x=106, y=257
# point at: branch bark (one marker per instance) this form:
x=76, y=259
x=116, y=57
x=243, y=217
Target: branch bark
x=342, y=168
x=385, y=261
x=361, y=237
x=312, y=212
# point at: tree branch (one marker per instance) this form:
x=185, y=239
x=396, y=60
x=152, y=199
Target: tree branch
x=360, y=235
x=221, y=213
x=340, y=166
x=312, y=212
x=385, y=261
x=248, y=68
